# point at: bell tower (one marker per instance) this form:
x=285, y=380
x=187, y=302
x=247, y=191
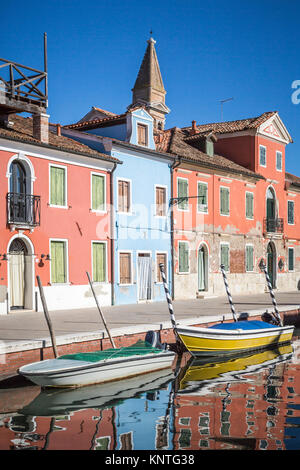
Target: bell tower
x=149, y=89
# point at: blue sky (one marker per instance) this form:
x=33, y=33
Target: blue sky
x=208, y=51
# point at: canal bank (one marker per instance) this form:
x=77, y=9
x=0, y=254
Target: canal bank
x=24, y=336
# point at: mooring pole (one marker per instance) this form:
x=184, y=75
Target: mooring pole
x=269, y=284
x=99, y=310
x=169, y=301
x=48, y=320
x=228, y=293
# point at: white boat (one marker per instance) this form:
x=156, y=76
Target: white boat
x=57, y=402
x=77, y=370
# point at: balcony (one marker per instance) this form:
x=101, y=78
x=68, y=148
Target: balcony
x=273, y=225
x=23, y=210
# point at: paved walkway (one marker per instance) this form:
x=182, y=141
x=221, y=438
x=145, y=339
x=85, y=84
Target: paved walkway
x=21, y=328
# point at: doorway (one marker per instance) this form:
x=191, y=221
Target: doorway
x=202, y=268
x=20, y=274
x=271, y=263
x=144, y=276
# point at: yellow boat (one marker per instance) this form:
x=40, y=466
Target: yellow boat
x=230, y=338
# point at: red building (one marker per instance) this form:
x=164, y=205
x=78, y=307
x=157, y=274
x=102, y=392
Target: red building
x=233, y=203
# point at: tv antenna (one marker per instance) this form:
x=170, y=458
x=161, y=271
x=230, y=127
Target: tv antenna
x=222, y=102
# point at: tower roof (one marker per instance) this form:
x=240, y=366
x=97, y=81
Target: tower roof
x=149, y=74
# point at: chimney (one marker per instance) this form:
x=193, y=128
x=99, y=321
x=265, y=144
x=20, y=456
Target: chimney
x=58, y=130
x=41, y=127
x=194, y=129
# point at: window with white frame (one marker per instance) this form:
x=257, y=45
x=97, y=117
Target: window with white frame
x=160, y=201
x=99, y=261
x=142, y=134
x=125, y=268
x=224, y=200
x=291, y=212
x=249, y=205
x=58, y=186
x=278, y=161
x=202, y=197
x=249, y=258
x=262, y=155
x=161, y=258
x=291, y=259
x=224, y=255
x=124, y=195
x=98, y=192
x=183, y=256
x=183, y=193
x=58, y=257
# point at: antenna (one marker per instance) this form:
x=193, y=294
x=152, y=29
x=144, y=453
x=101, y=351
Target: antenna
x=222, y=102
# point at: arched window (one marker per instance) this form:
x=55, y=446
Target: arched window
x=17, y=178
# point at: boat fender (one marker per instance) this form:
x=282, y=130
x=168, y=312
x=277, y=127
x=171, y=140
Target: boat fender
x=153, y=338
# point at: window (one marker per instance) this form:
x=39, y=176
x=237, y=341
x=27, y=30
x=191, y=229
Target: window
x=98, y=192
x=125, y=268
x=224, y=255
x=291, y=207
x=249, y=205
x=160, y=201
x=161, y=258
x=224, y=201
x=183, y=192
x=58, y=186
x=142, y=131
x=262, y=155
x=58, y=256
x=183, y=249
x=278, y=161
x=124, y=196
x=202, y=197
x=249, y=258
x=291, y=259
x=99, y=261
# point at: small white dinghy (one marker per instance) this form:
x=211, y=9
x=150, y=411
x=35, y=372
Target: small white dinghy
x=77, y=370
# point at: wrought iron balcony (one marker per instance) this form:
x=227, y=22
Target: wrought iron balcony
x=273, y=225
x=23, y=209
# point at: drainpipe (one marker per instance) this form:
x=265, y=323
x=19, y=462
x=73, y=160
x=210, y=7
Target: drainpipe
x=112, y=244
x=172, y=167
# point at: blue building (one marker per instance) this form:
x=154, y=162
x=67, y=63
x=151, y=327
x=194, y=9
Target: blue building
x=141, y=187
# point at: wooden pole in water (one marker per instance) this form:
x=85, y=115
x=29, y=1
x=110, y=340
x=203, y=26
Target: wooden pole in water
x=169, y=301
x=99, y=309
x=277, y=315
x=48, y=320
x=228, y=292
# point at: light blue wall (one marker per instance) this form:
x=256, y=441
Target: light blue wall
x=141, y=231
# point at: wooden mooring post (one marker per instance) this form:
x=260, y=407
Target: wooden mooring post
x=48, y=320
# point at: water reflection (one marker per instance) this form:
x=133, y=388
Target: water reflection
x=249, y=402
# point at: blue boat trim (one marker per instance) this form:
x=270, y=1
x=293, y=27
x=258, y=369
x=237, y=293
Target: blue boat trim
x=243, y=325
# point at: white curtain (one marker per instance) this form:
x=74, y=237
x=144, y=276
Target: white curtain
x=17, y=284
x=201, y=270
x=144, y=270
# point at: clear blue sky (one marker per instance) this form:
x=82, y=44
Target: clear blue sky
x=207, y=50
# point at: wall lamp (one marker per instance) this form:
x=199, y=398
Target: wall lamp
x=47, y=257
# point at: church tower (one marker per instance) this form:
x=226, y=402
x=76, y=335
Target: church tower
x=149, y=89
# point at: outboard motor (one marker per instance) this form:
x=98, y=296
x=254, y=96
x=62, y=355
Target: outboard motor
x=153, y=338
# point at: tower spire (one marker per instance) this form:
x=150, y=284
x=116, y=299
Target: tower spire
x=149, y=89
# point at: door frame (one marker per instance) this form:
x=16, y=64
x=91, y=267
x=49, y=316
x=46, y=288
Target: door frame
x=274, y=264
x=143, y=252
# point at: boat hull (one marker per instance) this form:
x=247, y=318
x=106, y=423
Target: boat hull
x=71, y=373
x=212, y=342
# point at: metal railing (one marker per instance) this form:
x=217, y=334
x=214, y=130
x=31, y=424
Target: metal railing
x=273, y=225
x=23, y=209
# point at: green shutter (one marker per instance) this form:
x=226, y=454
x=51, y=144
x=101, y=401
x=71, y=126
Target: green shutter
x=249, y=205
x=99, y=262
x=183, y=257
x=225, y=256
x=224, y=201
x=249, y=258
x=202, y=197
x=98, y=192
x=291, y=259
x=57, y=186
x=183, y=192
x=58, y=262
x=291, y=212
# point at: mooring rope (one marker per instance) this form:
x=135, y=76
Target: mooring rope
x=228, y=293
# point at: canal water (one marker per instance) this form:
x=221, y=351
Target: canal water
x=251, y=403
